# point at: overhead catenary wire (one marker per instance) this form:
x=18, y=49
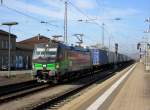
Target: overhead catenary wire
x=79, y=10
x=94, y=22
x=41, y=21
x=26, y=15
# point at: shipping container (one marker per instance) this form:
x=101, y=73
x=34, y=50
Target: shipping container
x=95, y=57
x=99, y=57
x=111, y=57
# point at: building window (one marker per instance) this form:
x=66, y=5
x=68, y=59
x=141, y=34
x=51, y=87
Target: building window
x=2, y=43
x=19, y=61
x=0, y=60
x=11, y=45
x=7, y=44
x=4, y=60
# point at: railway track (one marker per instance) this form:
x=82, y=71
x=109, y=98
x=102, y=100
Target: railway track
x=7, y=89
x=59, y=100
x=14, y=91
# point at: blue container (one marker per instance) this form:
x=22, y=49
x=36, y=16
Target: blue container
x=95, y=57
x=99, y=57
x=103, y=57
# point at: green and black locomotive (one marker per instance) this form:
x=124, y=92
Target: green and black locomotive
x=56, y=61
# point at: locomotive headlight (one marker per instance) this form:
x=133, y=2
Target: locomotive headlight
x=44, y=66
x=33, y=66
x=57, y=66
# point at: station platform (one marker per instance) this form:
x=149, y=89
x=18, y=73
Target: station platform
x=135, y=93
x=16, y=77
x=127, y=90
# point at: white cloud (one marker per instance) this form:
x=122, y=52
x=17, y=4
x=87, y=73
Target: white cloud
x=85, y=4
x=26, y=7
x=55, y=9
x=114, y=12
x=54, y=4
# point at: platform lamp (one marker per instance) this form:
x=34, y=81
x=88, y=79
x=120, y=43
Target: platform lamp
x=9, y=24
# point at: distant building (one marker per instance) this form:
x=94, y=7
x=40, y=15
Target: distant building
x=4, y=45
x=21, y=52
x=35, y=40
x=23, y=56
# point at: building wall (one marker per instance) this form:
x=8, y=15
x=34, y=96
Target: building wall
x=23, y=59
x=4, y=48
x=4, y=42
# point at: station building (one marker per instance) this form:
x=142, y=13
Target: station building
x=21, y=52
x=4, y=45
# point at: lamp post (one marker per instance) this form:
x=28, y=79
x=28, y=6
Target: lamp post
x=9, y=24
x=148, y=21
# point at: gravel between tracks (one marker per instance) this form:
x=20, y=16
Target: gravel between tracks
x=15, y=79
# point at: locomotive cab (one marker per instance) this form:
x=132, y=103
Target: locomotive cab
x=45, y=61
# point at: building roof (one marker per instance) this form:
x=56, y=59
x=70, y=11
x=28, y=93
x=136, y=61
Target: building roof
x=5, y=33
x=23, y=47
x=35, y=40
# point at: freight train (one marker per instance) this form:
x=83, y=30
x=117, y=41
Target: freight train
x=56, y=61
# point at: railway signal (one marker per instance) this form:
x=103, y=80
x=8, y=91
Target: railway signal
x=138, y=46
x=116, y=48
x=116, y=55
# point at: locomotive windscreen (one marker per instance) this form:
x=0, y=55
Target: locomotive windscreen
x=44, y=53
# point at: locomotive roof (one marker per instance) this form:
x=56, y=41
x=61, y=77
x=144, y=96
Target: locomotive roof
x=56, y=44
x=77, y=48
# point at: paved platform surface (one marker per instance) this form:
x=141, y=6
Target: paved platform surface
x=16, y=77
x=88, y=97
x=135, y=93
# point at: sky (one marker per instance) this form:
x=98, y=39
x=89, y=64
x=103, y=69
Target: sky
x=127, y=31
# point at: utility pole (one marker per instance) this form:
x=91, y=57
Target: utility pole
x=65, y=23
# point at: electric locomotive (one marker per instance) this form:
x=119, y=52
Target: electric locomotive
x=55, y=61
